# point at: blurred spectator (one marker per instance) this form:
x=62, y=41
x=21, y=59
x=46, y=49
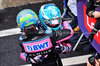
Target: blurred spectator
x=97, y=63
x=72, y=4
x=74, y=24
x=93, y=10
x=94, y=60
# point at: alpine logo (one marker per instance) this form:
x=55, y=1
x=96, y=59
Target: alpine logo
x=38, y=47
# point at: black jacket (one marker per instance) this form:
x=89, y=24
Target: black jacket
x=92, y=5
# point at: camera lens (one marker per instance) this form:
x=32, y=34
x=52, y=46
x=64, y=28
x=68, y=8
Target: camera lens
x=92, y=60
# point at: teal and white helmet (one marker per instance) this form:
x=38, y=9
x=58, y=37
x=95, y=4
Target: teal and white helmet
x=49, y=14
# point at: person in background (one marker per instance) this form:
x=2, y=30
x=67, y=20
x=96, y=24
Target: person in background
x=40, y=47
x=97, y=63
x=93, y=10
x=72, y=4
x=94, y=60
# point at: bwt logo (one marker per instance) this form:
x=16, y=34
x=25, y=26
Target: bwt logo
x=38, y=46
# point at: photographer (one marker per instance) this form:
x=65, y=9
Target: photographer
x=97, y=63
x=93, y=10
x=94, y=60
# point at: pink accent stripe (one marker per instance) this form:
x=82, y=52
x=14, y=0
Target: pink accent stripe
x=37, y=43
x=64, y=39
x=22, y=56
x=72, y=33
x=65, y=24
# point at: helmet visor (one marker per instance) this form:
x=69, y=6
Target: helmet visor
x=30, y=28
x=54, y=21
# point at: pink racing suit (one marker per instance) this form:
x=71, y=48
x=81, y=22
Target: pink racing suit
x=38, y=49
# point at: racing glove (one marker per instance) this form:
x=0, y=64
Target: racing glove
x=60, y=48
x=35, y=59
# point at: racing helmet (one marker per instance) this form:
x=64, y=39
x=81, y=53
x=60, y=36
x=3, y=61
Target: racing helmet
x=50, y=16
x=27, y=18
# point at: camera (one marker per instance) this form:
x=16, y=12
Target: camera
x=91, y=60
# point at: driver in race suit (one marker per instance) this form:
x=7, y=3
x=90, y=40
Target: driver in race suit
x=50, y=17
x=41, y=47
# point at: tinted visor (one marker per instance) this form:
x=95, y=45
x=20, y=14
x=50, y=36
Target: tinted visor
x=53, y=22
x=30, y=28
